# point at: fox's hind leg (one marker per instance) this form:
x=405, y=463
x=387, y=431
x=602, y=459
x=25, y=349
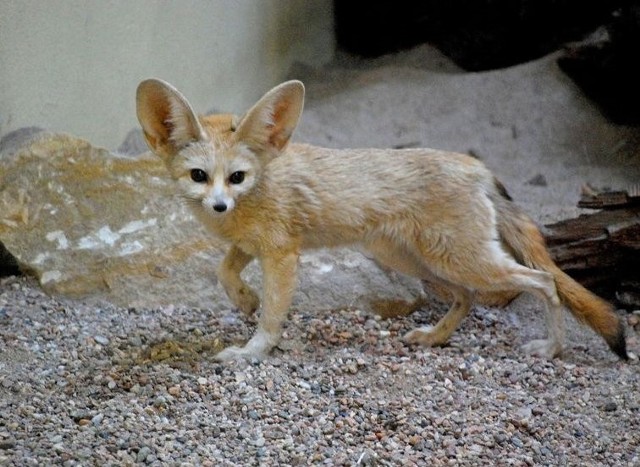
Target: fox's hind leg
x=487, y=268
x=541, y=284
x=440, y=333
x=553, y=344
x=514, y=276
x=391, y=256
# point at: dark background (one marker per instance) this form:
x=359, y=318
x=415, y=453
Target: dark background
x=483, y=35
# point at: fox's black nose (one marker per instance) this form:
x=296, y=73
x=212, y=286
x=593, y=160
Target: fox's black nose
x=220, y=207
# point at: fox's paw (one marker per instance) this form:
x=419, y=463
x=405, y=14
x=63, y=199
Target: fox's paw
x=238, y=353
x=246, y=300
x=257, y=348
x=546, y=348
x=424, y=336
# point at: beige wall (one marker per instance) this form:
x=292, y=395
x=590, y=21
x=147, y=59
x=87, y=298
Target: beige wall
x=73, y=66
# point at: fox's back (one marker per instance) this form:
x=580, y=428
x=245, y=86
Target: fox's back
x=379, y=173
x=349, y=192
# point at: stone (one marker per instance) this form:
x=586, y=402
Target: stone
x=133, y=144
x=13, y=141
x=86, y=222
x=143, y=453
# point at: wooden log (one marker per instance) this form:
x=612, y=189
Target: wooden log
x=594, y=199
x=602, y=250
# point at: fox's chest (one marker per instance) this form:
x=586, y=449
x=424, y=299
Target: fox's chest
x=253, y=232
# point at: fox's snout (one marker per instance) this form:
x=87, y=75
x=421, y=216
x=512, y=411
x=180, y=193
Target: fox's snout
x=220, y=207
x=219, y=199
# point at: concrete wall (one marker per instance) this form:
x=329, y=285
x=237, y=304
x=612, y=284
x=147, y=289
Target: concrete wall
x=73, y=66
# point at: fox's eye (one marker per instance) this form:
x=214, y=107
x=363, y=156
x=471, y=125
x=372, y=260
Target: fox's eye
x=236, y=177
x=199, y=175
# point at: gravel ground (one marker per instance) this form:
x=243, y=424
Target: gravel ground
x=93, y=384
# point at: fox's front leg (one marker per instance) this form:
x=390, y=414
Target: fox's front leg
x=279, y=271
x=240, y=294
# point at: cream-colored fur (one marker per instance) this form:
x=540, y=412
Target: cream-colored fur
x=436, y=215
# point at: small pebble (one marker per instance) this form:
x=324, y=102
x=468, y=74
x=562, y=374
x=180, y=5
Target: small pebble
x=97, y=420
x=143, y=453
x=101, y=340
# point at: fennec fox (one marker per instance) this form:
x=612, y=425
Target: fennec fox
x=435, y=215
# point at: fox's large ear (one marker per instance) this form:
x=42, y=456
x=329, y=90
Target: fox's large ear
x=269, y=124
x=168, y=121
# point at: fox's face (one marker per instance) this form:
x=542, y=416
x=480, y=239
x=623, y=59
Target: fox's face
x=218, y=159
x=214, y=177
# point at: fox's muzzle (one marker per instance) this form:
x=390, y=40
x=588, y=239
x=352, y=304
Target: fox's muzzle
x=219, y=207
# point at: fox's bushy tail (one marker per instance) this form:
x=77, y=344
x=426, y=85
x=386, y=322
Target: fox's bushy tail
x=524, y=241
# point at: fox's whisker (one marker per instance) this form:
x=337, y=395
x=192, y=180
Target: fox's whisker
x=190, y=201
